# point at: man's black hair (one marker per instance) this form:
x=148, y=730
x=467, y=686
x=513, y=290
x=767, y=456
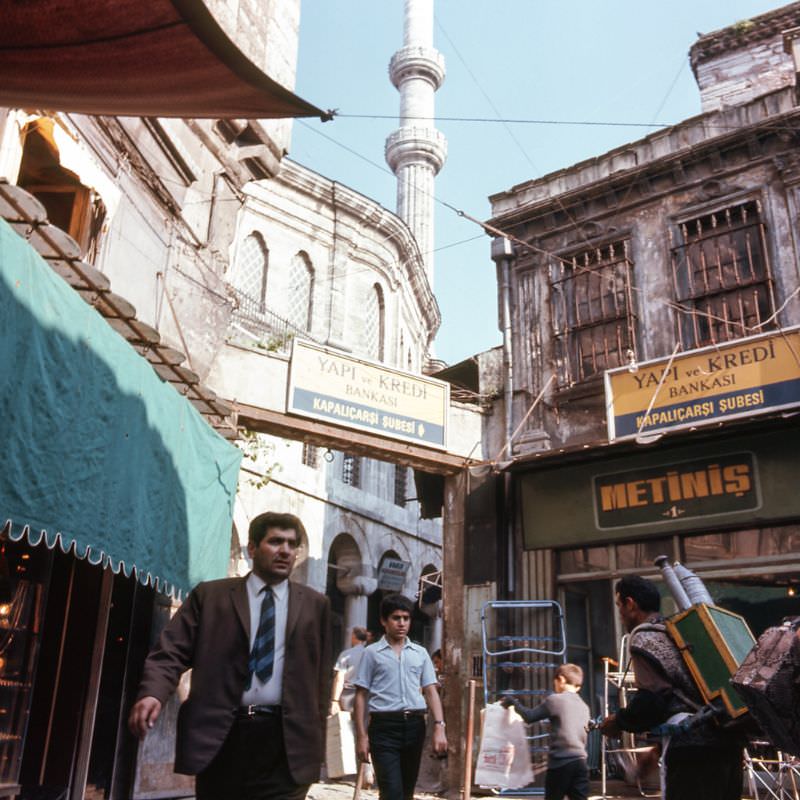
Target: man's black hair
x=360, y=634
x=274, y=519
x=395, y=602
x=643, y=592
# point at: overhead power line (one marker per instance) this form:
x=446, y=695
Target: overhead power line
x=511, y=120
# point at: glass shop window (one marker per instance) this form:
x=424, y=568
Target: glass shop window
x=641, y=555
x=579, y=560
x=24, y=572
x=748, y=544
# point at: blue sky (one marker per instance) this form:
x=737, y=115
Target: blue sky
x=611, y=61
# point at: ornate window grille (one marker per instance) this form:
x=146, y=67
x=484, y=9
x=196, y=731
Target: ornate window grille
x=721, y=276
x=400, y=484
x=310, y=455
x=351, y=470
x=301, y=292
x=374, y=323
x=250, y=275
x=594, y=321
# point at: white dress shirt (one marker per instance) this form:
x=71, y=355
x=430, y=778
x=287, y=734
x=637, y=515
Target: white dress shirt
x=269, y=693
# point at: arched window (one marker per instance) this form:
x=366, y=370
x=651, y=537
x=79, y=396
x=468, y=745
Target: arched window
x=250, y=275
x=301, y=292
x=374, y=323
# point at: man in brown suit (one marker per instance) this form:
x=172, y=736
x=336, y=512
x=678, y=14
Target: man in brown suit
x=252, y=727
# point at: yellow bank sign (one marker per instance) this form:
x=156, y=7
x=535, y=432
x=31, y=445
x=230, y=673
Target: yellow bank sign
x=739, y=379
x=328, y=385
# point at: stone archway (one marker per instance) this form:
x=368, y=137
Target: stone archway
x=350, y=582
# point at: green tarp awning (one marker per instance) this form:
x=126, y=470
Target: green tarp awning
x=97, y=450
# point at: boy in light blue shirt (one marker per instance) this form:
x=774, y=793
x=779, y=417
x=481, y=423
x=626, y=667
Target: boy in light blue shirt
x=395, y=683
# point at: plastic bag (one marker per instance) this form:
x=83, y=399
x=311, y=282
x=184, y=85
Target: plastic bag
x=503, y=758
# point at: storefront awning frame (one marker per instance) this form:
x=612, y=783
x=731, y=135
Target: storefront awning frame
x=161, y=58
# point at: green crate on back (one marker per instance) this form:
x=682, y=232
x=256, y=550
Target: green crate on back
x=713, y=643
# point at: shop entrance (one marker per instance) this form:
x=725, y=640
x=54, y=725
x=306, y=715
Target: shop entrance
x=69, y=631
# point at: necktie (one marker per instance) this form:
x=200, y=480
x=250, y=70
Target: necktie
x=263, y=653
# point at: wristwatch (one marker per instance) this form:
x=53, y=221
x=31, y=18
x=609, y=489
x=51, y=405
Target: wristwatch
x=439, y=722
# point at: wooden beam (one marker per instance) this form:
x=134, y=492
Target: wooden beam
x=322, y=434
x=456, y=663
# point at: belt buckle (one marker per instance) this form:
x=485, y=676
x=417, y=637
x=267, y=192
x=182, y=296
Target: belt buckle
x=407, y=713
x=251, y=710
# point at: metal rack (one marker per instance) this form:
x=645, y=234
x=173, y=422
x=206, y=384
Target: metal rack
x=771, y=777
x=617, y=674
x=523, y=641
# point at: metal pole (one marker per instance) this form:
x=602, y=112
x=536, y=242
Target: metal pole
x=467, y=793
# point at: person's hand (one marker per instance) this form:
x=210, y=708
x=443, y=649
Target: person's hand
x=143, y=716
x=506, y=701
x=334, y=707
x=609, y=726
x=439, y=741
x=362, y=748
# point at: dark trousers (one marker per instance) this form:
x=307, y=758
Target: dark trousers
x=704, y=772
x=251, y=765
x=395, y=746
x=568, y=780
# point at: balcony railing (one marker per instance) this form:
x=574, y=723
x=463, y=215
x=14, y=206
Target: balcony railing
x=253, y=322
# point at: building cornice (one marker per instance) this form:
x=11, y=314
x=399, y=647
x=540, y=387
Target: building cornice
x=744, y=34
x=667, y=152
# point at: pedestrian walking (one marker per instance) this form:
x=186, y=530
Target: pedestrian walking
x=702, y=762
x=253, y=726
x=395, y=683
x=343, y=692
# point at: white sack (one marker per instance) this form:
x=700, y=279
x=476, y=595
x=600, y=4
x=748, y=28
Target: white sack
x=503, y=758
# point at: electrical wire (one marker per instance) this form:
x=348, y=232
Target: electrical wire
x=557, y=122
x=495, y=231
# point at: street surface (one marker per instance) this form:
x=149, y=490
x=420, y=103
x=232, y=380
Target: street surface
x=343, y=790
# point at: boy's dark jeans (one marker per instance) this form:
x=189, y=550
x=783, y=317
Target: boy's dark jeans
x=569, y=780
x=395, y=745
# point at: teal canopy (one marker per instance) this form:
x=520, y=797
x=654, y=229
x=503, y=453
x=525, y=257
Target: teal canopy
x=98, y=452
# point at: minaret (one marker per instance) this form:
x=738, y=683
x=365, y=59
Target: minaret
x=416, y=151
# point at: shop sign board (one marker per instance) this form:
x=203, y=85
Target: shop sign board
x=392, y=574
x=748, y=480
x=334, y=387
x=737, y=379
x=658, y=494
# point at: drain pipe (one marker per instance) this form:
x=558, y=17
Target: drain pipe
x=503, y=256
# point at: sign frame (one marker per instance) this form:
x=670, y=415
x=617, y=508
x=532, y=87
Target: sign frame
x=368, y=366
x=394, y=568
x=690, y=362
